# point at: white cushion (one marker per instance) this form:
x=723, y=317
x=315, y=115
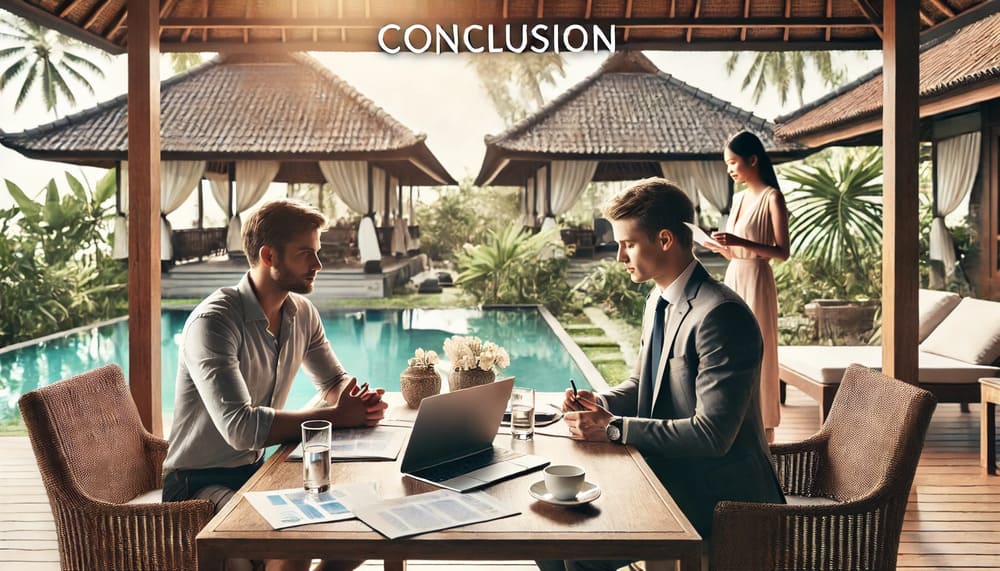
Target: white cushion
x=826, y=365
x=970, y=333
x=934, y=306
x=150, y=497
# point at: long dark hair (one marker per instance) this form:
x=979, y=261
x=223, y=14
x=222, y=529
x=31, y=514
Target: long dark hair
x=746, y=145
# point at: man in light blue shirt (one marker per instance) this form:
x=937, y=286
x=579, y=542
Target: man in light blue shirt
x=241, y=349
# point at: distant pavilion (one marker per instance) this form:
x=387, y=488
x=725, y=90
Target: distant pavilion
x=629, y=120
x=243, y=121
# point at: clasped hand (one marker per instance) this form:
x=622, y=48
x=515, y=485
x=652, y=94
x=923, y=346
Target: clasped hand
x=359, y=405
x=586, y=419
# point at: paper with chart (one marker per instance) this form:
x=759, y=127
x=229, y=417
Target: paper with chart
x=699, y=236
x=377, y=443
x=292, y=507
x=431, y=511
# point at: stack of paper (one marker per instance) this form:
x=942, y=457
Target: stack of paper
x=378, y=443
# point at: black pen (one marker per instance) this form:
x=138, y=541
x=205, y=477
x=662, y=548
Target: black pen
x=573, y=384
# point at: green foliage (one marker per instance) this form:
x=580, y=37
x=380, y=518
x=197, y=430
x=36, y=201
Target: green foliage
x=48, y=59
x=835, y=213
x=611, y=287
x=511, y=267
x=181, y=62
x=464, y=215
x=58, y=274
x=782, y=71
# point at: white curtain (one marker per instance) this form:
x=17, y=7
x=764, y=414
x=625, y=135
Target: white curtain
x=378, y=193
x=349, y=180
x=540, y=192
x=569, y=180
x=414, y=243
x=957, y=165
x=218, y=184
x=368, y=241
x=704, y=178
x=252, y=180
x=177, y=180
x=527, y=200
x=119, y=249
x=554, y=250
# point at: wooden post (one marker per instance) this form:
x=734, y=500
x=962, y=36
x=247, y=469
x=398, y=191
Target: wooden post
x=144, y=211
x=901, y=141
x=548, y=189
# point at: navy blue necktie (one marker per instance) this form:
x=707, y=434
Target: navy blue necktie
x=655, y=351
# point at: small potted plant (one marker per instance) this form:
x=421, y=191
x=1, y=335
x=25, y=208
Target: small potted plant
x=419, y=380
x=473, y=361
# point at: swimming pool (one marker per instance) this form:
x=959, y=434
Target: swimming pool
x=373, y=345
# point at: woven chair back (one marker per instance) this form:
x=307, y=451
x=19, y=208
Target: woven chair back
x=85, y=432
x=875, y=434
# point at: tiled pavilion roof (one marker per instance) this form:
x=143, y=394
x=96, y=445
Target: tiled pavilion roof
x=628, y=115
x=280, y=107
x=968, y=59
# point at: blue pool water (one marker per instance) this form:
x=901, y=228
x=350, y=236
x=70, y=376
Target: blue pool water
x=373, y=345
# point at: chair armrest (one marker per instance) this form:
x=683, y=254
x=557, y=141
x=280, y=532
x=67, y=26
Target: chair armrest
x=752, y=536
x=156, y=452
x=797, y=464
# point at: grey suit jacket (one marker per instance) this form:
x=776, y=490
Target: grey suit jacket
x=704, y=438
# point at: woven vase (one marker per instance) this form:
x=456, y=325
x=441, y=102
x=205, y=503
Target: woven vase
x=459, y=379
x=418, y=383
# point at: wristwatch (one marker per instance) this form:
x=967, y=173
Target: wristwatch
x=614, y=429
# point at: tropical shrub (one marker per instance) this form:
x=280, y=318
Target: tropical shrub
x=515, y=267
x=611, y=287
x=57, y=270
x=835, y=213
x=463, y=215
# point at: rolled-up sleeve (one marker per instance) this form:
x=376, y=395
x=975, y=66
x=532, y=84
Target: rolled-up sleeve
x=210, y=353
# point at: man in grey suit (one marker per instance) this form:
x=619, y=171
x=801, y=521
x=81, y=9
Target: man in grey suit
x=696, y=420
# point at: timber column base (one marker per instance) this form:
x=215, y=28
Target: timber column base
x=990, y=395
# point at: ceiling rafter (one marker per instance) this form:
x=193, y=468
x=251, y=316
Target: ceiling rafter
x=694, y=16
x=540, y=10
x=872, y=14
x=673, y=8
x=340, y=14
x=829, y=14
x=628, y=16
x=90, y=18
x=588, y=10
x=69, y=8
x=746, y=14
x=943, y=8
x=165, y=10
x=204, y=11
x=248, y=14
x=926, y=19
x=119, y=22
x=788, y=14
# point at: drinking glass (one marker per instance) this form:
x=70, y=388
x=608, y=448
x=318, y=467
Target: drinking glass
x=316, y=438
x=522, y=413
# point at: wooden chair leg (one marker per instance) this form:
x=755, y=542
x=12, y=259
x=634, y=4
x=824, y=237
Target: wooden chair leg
x=782, y=391
x=964, y=406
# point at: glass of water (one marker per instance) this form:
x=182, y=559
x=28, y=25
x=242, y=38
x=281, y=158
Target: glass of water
x=316, y=437
x=522, y=413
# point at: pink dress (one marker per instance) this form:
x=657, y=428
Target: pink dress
x=752, y=278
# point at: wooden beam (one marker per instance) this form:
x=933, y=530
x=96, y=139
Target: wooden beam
x=144, y=212
x=96, y=13
x=645, y=22
x=690, y=29
x=943, y=8
x=926, y=19
x=873, y=15
x=38, y=15
x=900, y=140
x=69, y=8
x=746, y=14
x=628, y=16
x=788, y=15
x=586, y=13
x=829, y=14
x=540, y=11
x=119, y=22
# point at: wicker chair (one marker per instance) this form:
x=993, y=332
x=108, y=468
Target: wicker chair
x=94, y=456
x=853, y=478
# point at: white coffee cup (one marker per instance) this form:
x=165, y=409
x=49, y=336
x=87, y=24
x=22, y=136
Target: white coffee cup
x=563, y=481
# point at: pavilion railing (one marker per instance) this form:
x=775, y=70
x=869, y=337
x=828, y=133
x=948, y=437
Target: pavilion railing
x=197, y=243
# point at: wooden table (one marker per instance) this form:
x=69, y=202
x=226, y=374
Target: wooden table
x=634, y=518
x=990, y=398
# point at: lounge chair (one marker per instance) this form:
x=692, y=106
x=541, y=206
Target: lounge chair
x=960, y=343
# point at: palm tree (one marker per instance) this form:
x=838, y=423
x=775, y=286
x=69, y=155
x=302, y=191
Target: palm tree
x=514, y=81
x=782, y=70
x=181, y=62
x=46, y=56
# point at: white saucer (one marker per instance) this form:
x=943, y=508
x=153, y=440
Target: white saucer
x=588, y=493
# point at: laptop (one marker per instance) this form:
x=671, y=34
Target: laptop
x=451, y=444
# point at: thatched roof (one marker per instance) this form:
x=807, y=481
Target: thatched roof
x=967, y=60
x=285, y=107
x=629, y=115
x=351, y=25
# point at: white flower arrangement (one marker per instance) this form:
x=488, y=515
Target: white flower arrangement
x=423, y=358
x=467, y=353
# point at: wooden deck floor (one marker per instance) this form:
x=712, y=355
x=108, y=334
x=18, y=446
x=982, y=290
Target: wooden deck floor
x=952, y=521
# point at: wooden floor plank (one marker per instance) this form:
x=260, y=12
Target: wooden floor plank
x=952, y=521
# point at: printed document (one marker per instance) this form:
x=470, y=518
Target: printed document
x=377, y=443
x=699, y=236
x=292, y=507
x=431, y=511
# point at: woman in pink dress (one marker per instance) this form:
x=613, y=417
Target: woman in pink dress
x=756, y=232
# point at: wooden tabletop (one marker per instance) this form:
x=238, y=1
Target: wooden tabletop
x=634, y=518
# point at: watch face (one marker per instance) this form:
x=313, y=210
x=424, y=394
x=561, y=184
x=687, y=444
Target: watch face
x=614, y=433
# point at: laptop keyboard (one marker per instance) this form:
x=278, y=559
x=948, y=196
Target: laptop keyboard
x=467, y=464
